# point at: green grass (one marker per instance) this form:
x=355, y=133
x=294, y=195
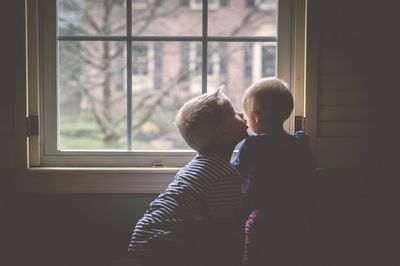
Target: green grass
x=84, y=134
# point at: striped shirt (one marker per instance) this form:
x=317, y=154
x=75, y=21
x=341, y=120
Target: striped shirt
x=207, y=187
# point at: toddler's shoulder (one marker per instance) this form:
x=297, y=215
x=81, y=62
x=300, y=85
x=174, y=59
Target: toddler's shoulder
x=256, y=138
x=301, y=136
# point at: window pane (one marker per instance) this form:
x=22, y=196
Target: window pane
x=91, y=17
x=166, y=18
x=243, y=18
x=92, y=95
x=237, y=65
x=171, y=80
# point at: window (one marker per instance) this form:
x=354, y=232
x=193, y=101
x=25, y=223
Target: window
x=142, y=4
x=265, y=4
x=263, y=60
x=140, y=59
x=112, y=74
x=198, y=4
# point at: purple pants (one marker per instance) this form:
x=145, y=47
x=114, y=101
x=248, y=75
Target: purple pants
x=252, y=239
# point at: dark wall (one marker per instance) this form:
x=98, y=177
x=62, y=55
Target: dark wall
x=11, y=56
x=77, y=229
x=351, y=223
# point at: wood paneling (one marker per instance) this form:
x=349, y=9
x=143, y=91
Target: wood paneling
x=340, y=152
x=342, y=129
x=343, y=98
x=340, y=82
x=344, y=81
x=343, y=113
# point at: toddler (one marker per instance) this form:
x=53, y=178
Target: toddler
x=275, y=167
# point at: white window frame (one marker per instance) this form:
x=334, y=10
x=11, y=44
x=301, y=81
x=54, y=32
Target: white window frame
x=40, y=72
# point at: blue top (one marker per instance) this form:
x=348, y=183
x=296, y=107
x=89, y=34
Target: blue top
x=274, y=168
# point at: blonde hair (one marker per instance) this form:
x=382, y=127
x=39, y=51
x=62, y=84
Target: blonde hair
x=270, y=99
x=198, y=119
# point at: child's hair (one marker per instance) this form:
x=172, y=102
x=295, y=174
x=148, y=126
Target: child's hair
x=270, y=99
x=198, y=119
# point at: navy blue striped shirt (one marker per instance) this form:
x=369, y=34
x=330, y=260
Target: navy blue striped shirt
x=208, y=187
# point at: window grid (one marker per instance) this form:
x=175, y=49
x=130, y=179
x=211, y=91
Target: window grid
x=129, y=39
x=129, y=75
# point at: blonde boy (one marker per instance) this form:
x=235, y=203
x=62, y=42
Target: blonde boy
x=192, y=221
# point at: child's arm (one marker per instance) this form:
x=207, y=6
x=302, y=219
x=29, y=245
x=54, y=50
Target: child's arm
x=307, y=161
x=242, y=165
x=241, y=160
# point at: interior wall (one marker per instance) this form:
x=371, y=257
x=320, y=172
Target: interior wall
x=12, y=45
x=355, y=41
x=343, y=81
x=11, y=71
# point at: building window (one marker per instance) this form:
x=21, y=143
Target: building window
x=140, y=60
x=140, y=4
x=112, y=77
x=266, y=4
x=198, y=4
x=268, y=66
x=262, y=60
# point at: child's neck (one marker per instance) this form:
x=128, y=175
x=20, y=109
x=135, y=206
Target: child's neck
x=224, y=153
x=272, y=129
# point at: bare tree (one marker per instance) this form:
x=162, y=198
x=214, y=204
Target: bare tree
x=94, y=70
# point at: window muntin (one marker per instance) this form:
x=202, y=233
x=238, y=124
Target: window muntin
x=216, y=73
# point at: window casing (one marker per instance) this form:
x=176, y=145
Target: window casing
x=49, y=148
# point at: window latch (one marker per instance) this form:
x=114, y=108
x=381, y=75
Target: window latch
x=159, y=165
x=32, y=125
x=299, y=123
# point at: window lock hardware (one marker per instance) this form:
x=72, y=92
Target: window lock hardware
x=159, y=165
x=299, y=123
x=32, y=125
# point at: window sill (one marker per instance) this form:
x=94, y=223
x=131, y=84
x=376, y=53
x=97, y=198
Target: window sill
x=96, y=180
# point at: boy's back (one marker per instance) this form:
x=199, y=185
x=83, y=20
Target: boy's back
x=206, y=188
x=279, y=168
x=276, y=168
x=196, y=220
x=274, y=163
